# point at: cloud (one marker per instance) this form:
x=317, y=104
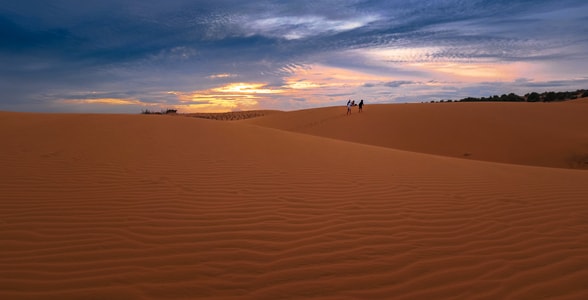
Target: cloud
x=558, y=84
x=233, y=96
x=108, y=101
x=223, y=75
x=390, y=84
x=314, y=52
x=298, y=27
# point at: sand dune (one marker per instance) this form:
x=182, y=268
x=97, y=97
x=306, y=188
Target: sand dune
x=152, y=207
x=578, y=101
x=540, y=134
x=230, y=116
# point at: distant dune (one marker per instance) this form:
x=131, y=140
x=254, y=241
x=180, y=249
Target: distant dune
x=578, y=101
x=152, y=207
x=539, y=134
x=231, y=116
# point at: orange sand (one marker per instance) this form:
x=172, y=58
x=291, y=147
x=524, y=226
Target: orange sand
x=540, y=134
x=151, y=207
x=231, y=116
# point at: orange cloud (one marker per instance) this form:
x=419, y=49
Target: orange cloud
x=475, y=71
x=246, y=88
x=315, y=84
x=223, y=75
x=229, y=97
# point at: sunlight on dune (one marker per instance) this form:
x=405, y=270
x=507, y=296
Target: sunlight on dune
x=415, y=201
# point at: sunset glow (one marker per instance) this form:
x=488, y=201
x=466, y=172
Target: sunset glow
x=225, y=98
x=235, y=55
x=246, y=88
x=474, y=71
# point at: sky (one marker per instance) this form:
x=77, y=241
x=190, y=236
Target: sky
x=125, y=56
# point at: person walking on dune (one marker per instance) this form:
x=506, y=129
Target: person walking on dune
x=348, y=107
x=361, y=105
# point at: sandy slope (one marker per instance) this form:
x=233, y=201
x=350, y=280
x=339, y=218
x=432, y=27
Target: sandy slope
x=541, y=134
x=231, y=116
x=125, y=207
x=577, y=101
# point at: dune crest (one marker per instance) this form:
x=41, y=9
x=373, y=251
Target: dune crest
x=231, y=116
x=536, y=134
x=151, y=207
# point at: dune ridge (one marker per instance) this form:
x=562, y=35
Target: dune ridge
x=150, y=207
x=230, y=116
x=537, y=134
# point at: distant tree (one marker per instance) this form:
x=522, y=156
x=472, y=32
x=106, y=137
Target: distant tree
x=512, y=97
x=529, y=97
x=549, y=96
x=533, y=97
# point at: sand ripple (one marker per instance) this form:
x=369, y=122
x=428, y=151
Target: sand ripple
x=145, y=207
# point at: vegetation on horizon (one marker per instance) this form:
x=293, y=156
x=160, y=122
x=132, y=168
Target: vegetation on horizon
x=512, y=97
x=227, y=116
x=162, y=112
x=529, y=97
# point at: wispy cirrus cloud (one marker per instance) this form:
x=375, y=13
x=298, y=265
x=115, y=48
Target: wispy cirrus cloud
x=299, y=27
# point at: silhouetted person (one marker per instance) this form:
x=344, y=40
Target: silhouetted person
x=361, y=105
x=348, y=107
